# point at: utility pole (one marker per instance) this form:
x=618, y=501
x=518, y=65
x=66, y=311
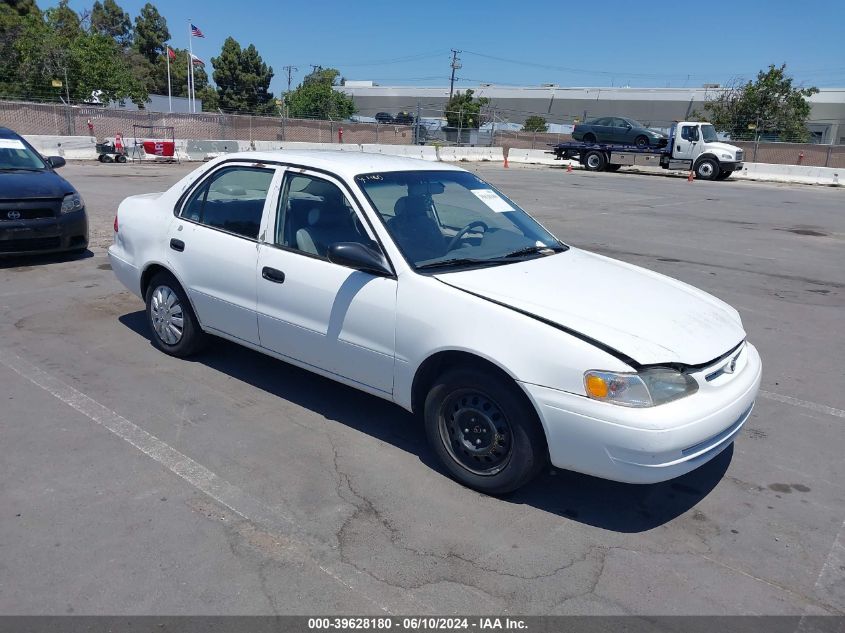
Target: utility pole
x=456, y=63
x=291, y=70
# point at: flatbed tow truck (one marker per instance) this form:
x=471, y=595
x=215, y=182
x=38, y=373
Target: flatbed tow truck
x=692, y=146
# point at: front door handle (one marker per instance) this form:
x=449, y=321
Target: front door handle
x=177, y=245
x=271, y=274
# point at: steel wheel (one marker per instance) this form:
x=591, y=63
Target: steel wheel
x=641, y=142
x=707, y=169
x=167, y=316
x=475, y=432
x=594, y=161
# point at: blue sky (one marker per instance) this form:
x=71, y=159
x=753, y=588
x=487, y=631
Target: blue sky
x=660, y=43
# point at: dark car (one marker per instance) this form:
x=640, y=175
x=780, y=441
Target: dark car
x=384, y=117
x=40, y=212
x=611, y=129
x=404, y=118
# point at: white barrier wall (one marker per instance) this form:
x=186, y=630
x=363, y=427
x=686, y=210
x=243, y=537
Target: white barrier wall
x=69, y=147
x=470, y=154
x=792, y=173
x=535, y=157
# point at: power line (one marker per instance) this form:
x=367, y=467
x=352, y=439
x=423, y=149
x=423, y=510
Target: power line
x=290, y=70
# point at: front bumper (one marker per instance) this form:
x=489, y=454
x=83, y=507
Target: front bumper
x=653, y=444
x=68, y=231
x=731, y=166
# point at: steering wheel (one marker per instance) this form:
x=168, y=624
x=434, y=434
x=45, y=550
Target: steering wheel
x=454, y=241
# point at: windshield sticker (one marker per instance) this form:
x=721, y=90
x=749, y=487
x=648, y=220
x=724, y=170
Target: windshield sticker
x=493, y=200
x=11, y=143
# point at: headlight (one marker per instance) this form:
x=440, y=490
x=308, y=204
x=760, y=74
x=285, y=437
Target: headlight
x=72, y=202
x=647, y=388
x=727, y=156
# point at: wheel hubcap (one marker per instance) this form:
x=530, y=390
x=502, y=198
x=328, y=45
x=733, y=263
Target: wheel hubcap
x=167, y=316
x=593, y=161
x=705, y=170
x=475, y=432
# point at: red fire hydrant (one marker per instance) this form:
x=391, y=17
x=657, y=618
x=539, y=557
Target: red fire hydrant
x=340, y=135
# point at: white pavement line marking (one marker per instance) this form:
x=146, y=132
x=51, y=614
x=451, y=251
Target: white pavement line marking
x=238, y=501
x=795, y=402
x=830, y=585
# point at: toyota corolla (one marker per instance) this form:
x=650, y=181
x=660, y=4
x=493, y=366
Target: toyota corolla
x=422, y=284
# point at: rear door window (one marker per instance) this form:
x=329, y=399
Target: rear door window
x=232, y=200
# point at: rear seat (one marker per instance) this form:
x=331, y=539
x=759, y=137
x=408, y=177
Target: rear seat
x=242, y=217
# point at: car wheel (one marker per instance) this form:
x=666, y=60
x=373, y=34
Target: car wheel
x=175, y=329
x=641, y=141
x=724, y=174
x=590, y=138
x=594, y=161
x=707, y=169
x=121, y=158
x=484, y=431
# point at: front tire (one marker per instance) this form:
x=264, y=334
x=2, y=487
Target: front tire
x=724, y=174
x=641, y=141
x=484, y=431
x=707, y=169
x=174, y=326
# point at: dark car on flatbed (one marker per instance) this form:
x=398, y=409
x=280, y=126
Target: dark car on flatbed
x=40, y=212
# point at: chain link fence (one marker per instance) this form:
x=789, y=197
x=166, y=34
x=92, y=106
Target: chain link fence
x=420, y=125
x=61, y=120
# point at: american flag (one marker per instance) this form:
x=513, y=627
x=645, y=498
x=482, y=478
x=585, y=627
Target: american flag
x=197, y=61
x=195, y=31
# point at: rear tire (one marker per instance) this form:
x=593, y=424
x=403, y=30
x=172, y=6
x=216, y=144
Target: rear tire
x=173, y=324
x=642, y=141
x=707, y=169
x=590, y=138
x=484, y=430
x=594, y=161
x=121, y=158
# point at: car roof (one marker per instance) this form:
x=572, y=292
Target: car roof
x=7, y=133
x=348, y=164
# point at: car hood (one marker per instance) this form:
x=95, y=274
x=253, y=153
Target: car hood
x=20, y=185
x=656, y=133
x=644, y=315
x=723, y=147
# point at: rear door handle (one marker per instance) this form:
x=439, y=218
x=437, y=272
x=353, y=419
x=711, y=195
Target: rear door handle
x=177, y=245
x=271, y=274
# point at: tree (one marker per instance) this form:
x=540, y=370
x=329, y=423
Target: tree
x=150, y=33
x=535, y=123
x=243, y=79
x=98, y=65
x=768, y=105
x=464, y=111
x=63, y=20
x=316, y=97
x=107, y=18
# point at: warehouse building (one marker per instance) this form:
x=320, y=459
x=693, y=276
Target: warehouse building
x=656, y=107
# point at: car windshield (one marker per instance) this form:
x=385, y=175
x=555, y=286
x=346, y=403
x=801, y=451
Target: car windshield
x=708, y=133
x=14, y=155
x=634, y=123
x=453, y=218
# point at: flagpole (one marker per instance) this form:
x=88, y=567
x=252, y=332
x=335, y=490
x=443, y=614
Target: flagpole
x=191, y=87
x=169, y=92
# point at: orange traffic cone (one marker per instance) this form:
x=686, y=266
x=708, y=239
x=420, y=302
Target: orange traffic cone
x=506, y=162
x=569, y=168
x=691, y=176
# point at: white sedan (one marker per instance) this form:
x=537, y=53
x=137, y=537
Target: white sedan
x=422, y=284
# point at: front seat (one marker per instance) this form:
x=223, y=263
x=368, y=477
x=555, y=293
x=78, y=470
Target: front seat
x=415, y=230
x=327, y=225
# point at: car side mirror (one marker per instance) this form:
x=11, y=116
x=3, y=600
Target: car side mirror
x=359, y=257
x=56, y=161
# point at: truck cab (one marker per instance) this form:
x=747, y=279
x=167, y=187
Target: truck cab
x=695, y=146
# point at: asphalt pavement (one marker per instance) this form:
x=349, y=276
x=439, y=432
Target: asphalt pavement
x=136, y=483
